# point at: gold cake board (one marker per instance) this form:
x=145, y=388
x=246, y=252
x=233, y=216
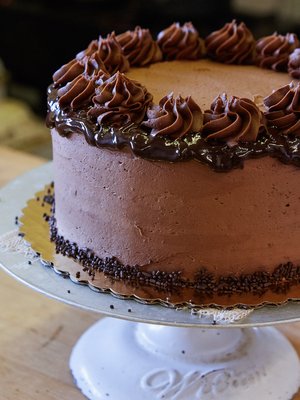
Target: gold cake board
x=35, y=229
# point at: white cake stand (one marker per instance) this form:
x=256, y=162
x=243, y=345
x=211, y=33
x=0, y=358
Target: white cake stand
x=152, y=352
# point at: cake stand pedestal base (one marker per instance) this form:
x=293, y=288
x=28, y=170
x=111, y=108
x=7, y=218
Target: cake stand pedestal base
x=121, y=360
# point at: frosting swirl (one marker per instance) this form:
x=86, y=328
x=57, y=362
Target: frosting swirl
x=120, y=101
x=107, y=52
x=232, y=44
x=234, y=120
x=181, y=42
x=90, y=50
x=273, y=51
x=139, y=47
x=174, y=117
x=294, y=64
x=79, y=92
x=283, y=109
x=74, y=68
x=68, y=72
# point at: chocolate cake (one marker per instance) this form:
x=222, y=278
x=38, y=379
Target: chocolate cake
x=176, y=164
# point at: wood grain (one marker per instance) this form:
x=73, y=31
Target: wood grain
x=37, y=334
x=14, y=163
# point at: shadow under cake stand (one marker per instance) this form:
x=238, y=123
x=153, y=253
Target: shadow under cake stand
x=153, y=352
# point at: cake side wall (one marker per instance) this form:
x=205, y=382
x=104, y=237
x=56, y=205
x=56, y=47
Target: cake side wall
x=176, y=216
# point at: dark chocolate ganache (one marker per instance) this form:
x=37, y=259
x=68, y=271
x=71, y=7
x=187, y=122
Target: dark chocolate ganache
x=218, y=155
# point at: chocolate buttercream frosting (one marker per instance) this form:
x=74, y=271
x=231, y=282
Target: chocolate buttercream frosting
x=273, y=51
x=204, y=282
x=79, y=92
x=94, y=109
x=109, y=112
x=120, y=101
x=233, y=44
x=75, y=68
x=215, y=153
x=174, y=118
x=181, y=42
x=294, y=64
x=69, y=71
x=90, y=50
x=106, y=51
x=283, y=107
x=139, y=47
x=232, y=120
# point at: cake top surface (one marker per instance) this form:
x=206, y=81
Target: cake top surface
x=204, y=80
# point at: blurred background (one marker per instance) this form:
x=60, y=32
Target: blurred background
x=38, y=36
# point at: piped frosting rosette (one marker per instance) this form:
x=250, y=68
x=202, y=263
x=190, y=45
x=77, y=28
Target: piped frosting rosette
x=283, y=109
x=294, y=64
x=174, y=117
x=139, y=47
x=103, y=55
x=88, y=92
x=232, y=120
x=273, y=51
x=75, y=68
x=119, y=101
x=107, y=51
x=181, y=42
x=232, y=44
x=79, y=92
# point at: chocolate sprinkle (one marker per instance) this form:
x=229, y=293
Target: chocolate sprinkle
x=205, y=283
x=48, y=198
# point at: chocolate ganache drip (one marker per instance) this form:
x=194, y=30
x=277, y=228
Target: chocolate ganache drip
x=139, y=47
x=234, y=120
x=181, y=42
x=283, y=107
x=218, y=154
x=174, y=118
x=233, y=44
x=106, y=51
x=273, y=51
x=120, y=101
x=294, y=64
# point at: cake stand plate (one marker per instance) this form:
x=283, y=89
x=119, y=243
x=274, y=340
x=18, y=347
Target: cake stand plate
x=162, y=353
x=124, y=360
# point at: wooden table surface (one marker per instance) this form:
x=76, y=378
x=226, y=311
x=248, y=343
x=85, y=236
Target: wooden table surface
x=37, y=333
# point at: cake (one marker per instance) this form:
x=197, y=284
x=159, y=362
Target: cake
x=176, y=165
